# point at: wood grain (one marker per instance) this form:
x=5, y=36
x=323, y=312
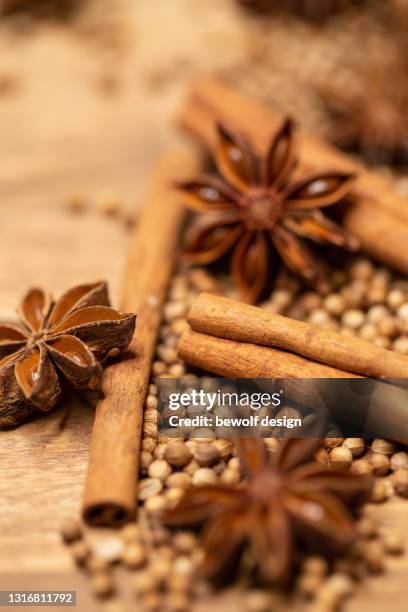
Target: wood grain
x=42, y=468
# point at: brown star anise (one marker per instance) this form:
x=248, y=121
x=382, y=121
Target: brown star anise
x=288, y=501
x=373, y=119
x=257, y=209
x=68, y=338
x=315, y=10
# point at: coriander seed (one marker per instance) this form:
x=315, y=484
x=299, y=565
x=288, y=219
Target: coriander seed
x=71, y=531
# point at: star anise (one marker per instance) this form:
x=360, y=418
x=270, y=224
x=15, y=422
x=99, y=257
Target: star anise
x=288, y=502
x=259, y=211
x=69, y=338
x=373, y=119
x=315, y=10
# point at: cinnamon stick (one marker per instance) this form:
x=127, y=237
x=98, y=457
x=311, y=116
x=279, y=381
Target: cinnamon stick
x=110, y=490
x=230, y=359
x=377, y=215
x=243, y=360
x=225, y=318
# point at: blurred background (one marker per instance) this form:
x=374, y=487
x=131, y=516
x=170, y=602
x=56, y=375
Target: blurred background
x=89, y=92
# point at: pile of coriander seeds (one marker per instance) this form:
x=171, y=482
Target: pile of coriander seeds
x=365, y=300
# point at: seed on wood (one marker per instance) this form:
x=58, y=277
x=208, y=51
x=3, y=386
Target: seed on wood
x=131, y=532
x=341, y=456
x=134, y=555
x=379, y=492
x=204, y=476
x=148, y=487
x=102, y=584
x=373, y=555
x=71, y=531
x=179, y=479
x=155, y=504
x=185, y=541
x=224, y=448
x=230, y=477
x=367, y=527
x=355, y=445
x=361, y=466
x=183, y=565
x=380, y=464
x=148, y=444
x=206, y=454
x=399, y=461
x=109, y=548
x=96, y=564
x=177, y=454
x=144, y=581
x=399, y=480
x=308, y=584
x=315, y=565
x=174, y=495
x=159, y=469
x=392, y=543
x=332, y=442
x=384, y=447
x=145, y=459
x=80, y=552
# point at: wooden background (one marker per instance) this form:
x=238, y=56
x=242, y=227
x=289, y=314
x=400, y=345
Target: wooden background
x=84, y=113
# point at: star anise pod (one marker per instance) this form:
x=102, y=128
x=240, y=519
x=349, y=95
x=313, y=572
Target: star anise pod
x=314, y=10
x=69, y=338
x=373, y=119
x=288, y=503
x=259, y=211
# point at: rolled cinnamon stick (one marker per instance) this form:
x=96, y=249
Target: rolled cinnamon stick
x=110, y=489
x=242, y=360
x=225, y=318
x=377, y=216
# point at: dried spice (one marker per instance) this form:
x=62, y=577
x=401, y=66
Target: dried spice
x=373, y=119
x=69, y=338
x=288, y=500
x=315, y=10
x=258, y=211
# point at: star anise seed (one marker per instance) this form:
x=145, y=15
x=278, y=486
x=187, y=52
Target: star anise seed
x=68, y=339
x=257, y=211
x=287, y=502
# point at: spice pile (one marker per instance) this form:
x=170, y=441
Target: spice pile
x=365, y=300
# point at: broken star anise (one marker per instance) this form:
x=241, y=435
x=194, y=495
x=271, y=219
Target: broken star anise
x=258, y=211
x=288, y=503
x=69, y=338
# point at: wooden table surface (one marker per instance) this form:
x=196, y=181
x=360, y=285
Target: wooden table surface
x=81, y=120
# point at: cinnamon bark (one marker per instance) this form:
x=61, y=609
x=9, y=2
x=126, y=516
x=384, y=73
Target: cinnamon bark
x=225, y=318
x=110, y=490
x=242, y=360
x=377, y=215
